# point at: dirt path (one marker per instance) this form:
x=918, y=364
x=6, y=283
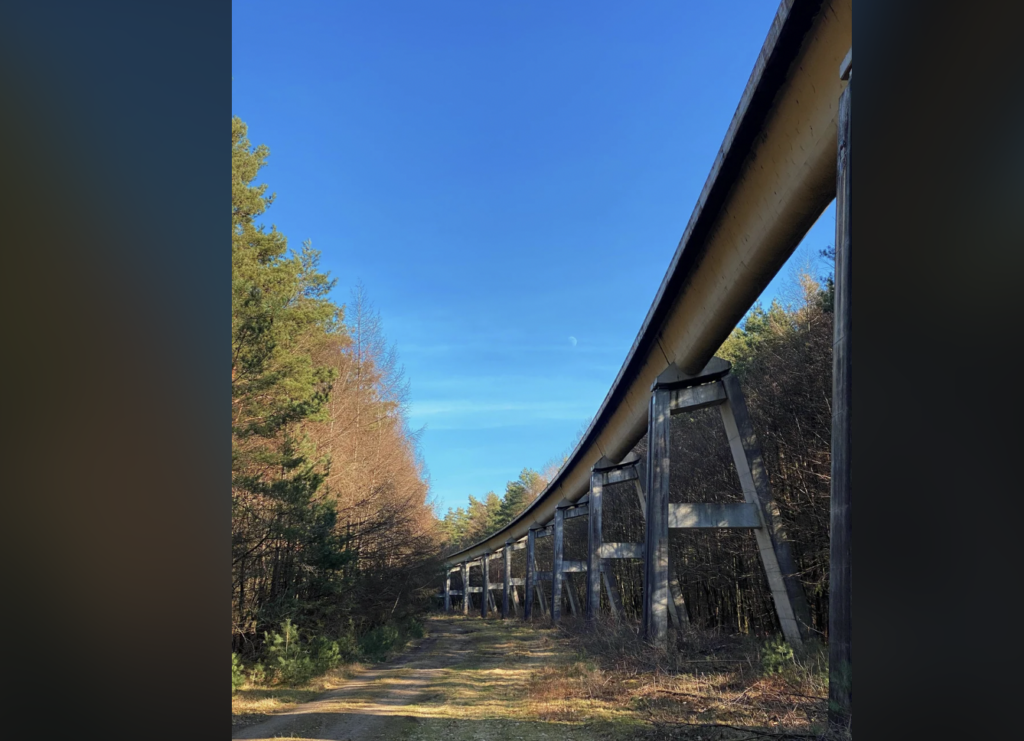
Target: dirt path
x=468, y=680
x=371, y=705
x=471, y=680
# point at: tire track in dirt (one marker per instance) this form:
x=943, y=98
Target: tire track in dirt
x=369, y=706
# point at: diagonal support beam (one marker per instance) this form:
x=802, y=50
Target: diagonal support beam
x=772, y=542
x=531, y=573
x=613, y=593
x=541, y=598
x=570, y=592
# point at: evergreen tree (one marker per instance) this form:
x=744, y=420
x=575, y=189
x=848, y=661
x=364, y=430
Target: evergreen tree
x=519, y=494
x=283, y=529
x=476, y=514
x=492, y=502
x=454, y=527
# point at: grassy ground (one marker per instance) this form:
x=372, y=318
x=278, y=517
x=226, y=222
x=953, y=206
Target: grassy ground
x=251, y=705
x=708, y=686
x=474, y=679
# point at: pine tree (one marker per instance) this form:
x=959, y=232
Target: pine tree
x=280, y=310
x=493, y=504
x=283, y=530
x=519, y=494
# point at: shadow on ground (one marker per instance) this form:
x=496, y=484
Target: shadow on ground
x=474, y=680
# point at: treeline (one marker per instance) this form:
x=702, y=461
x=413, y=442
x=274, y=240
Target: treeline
x=464, y=526
x=332, y=528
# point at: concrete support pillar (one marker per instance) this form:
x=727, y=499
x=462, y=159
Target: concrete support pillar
x=656, y=590
x=840, y=601
x=676, y=605
x=594, y=541
x=556, y=565
x=485, y=564
x=447, y=590
x=465, y=588
x=506, y=577
x=531, y=573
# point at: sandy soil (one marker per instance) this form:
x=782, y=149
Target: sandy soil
x=475, y=680
x=370, y=705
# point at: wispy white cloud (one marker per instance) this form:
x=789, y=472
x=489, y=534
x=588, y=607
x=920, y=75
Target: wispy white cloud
x=465, y=414
x=429, y=408
x=492, y=344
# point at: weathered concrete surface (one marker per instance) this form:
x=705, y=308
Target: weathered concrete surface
x=710, y=515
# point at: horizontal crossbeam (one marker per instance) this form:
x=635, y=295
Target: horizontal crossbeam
x=619, y=475
x=738, y=515
x=573, y=566
x=622, y=550
x=696, y=397
x=578, y=511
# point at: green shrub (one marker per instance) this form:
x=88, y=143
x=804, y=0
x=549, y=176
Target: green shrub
x=290, y=660
x=776, y=656
x=414, y=628
x=348, y=646
x=326, y=654
x=258, y=674
x=377, y=643
x=237, y=673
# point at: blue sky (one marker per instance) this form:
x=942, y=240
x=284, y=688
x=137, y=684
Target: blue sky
x=508, y=179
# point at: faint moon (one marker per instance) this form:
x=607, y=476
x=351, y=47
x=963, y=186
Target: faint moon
x=572, y=341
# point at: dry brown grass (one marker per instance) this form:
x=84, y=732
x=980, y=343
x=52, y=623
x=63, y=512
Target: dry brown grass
x=252, y=704
x=530, y=682
x=707, y=682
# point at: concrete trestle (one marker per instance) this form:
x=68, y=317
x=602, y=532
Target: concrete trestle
x=784, y=158
x=674, y=392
